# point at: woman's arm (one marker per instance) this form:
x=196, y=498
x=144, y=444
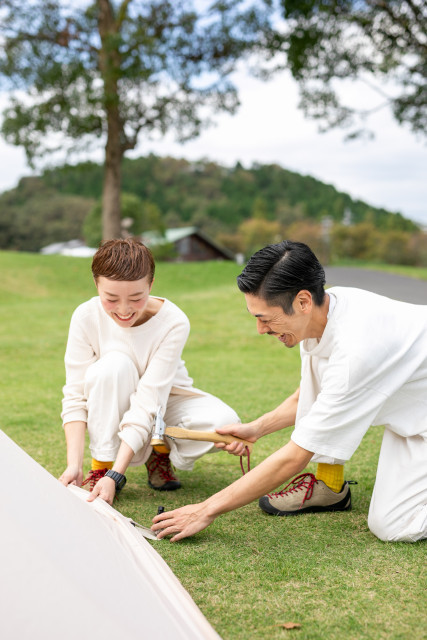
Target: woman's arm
x=75, y=439
x=105, y=488
x=154, y=385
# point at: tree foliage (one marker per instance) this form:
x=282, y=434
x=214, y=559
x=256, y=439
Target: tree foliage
x=241, y=208
x=109, y=70
x=326, y=43
x=34, y=215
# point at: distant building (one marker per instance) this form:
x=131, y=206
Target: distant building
x=74, y=248
x=190, y=244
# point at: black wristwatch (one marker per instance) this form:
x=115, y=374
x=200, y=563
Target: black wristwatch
x=118, y=478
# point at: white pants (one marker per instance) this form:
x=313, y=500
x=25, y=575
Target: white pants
x=109, y=383
x=398, y=509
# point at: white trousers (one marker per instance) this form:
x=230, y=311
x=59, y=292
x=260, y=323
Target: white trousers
x=398, y=509
x=109, y=383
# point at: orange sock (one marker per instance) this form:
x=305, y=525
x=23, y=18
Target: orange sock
x=331, y=474
x=100, y=464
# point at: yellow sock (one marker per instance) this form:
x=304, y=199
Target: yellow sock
x=100, y=464
x=161, y=448
x=331, y=474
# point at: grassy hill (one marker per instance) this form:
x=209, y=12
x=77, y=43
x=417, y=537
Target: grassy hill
x=173, y=192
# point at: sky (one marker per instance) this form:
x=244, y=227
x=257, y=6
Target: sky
x=389, y=171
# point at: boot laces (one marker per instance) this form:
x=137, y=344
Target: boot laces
x=248, y=456
x=305, y=481
x=93, y=477
x=160, y=462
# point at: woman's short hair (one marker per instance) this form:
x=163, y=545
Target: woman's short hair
x=279, y=271
x=123, y=259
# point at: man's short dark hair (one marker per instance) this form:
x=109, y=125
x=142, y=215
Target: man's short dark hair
x=280, y=271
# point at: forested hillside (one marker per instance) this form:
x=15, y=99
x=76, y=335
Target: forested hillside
x=230, y=204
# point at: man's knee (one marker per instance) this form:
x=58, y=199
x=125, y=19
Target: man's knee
x=378, y=526
x=408, y=528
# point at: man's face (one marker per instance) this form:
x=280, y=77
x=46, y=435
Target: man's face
x=288, y=329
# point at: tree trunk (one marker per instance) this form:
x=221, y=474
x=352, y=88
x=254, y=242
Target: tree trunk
x=109, y=62
x=111, y=212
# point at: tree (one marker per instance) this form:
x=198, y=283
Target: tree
x=109, y=70
x=327, y=42
x=255, y=233
x=136, y=216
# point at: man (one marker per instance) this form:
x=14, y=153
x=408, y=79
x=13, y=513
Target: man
x=364, y=362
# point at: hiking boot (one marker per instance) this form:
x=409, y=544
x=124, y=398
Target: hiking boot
x=93, y=476
x=160, y=472
x=306, y=494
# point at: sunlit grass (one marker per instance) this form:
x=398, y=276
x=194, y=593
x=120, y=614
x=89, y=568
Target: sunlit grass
x=248, y=572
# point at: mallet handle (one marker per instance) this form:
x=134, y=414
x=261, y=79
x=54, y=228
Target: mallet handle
x=206, y=436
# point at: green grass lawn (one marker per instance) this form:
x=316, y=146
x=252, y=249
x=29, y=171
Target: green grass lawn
x=248, y=572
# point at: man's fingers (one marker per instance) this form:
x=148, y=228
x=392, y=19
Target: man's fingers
x=179, y=536
x=235, y=448
x=225, y=429
x=166, y=515
x=173, y=528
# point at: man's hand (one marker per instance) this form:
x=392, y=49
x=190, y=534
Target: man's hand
x=247, y=431
x=72, y=475
x=182, y=522
x=105, y=488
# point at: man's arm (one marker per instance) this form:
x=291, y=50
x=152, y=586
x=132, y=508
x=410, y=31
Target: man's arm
x=283, y=416
x=272, y=472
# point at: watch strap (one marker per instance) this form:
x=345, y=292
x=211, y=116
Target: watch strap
x=119, y=479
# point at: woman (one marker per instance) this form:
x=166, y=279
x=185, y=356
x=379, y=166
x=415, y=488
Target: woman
x=123, y=364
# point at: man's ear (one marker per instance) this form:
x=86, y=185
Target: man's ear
x=304, y=300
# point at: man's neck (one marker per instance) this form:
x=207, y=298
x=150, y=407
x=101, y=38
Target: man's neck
x=320, y=318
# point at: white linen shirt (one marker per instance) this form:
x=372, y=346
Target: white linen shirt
x=155, y=348
x=368, y=368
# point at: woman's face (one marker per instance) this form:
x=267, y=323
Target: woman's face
x=125, y=301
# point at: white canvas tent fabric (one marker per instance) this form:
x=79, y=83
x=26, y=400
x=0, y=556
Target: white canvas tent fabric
x=72, y=569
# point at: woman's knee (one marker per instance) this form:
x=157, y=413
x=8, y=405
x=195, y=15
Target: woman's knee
x=223, y=415
x=112, y=365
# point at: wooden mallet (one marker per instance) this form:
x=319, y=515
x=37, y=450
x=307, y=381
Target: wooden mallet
x=180, y=433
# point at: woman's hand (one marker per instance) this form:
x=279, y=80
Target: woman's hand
x=73, y=474
x=105, y=488
x=247, y=431
x=183, y=522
